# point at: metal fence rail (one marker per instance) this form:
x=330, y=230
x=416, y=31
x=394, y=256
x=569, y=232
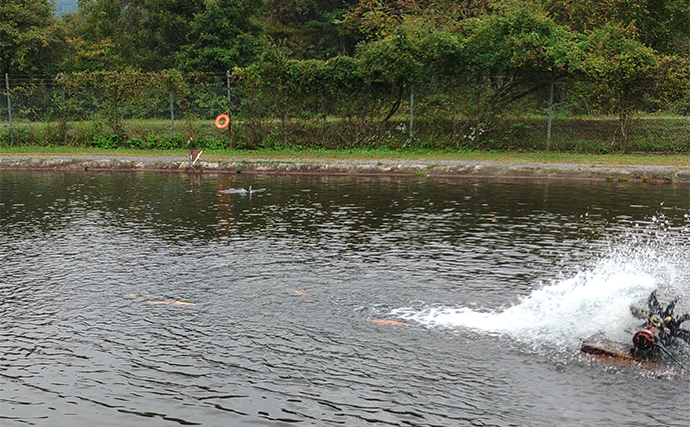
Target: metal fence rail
x=41, y=110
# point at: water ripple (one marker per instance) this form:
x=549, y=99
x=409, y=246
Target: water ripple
x=278, y=290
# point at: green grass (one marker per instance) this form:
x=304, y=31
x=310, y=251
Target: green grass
x=581, y=140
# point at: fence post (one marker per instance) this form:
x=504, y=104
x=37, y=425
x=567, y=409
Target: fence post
x=323, y=121
x=172, y=113
x=227, y=87
x=548, y=126
x=285, y=116
x=9, y=107
x=411, y=108
x=64, y=108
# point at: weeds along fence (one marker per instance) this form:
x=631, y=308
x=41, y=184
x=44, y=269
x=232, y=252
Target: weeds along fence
x=137, y=110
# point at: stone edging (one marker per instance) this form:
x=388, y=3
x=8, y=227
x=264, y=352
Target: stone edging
x=444, y=168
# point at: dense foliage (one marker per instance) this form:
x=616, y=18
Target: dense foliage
x=215, y=35
x=619, y=56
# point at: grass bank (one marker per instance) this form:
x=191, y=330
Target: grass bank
x=588, y=135
x=426, y=156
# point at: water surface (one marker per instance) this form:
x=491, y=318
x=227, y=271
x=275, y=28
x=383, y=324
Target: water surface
x=496, y=283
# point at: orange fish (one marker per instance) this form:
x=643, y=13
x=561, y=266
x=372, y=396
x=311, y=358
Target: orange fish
x=170, y=303
x=300, y=293
x=386, y=322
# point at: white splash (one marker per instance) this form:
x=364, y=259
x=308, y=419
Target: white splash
x=563, y=312
x=597, y=300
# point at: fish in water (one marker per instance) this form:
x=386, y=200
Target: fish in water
x=386, y=322
x=170, y=303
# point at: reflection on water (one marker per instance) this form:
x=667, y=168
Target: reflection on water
x=283, y=281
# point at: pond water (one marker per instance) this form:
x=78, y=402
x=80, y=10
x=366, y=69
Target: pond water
x=495, y=283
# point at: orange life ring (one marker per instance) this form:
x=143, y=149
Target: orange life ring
x=225, y=124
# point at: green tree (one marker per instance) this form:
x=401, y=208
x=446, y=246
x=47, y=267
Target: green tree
x=106, y=35
x=31, y=40
x=222, y=34
x=145, y=34
x=392, y=61
x=497, y=59
x=623, y=72
x=374, y=19
x=153, y=35
x=309, y=29
x=390, y=66
x=661, y=24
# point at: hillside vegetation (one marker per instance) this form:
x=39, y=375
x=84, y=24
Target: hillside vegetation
x=485, y=59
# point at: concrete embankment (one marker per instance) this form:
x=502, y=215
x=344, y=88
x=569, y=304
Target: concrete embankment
x=442, y=168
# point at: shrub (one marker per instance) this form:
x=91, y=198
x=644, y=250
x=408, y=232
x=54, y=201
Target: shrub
x=105, y=141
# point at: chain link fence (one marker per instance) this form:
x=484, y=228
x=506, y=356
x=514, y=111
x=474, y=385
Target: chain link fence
x=44, y=110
